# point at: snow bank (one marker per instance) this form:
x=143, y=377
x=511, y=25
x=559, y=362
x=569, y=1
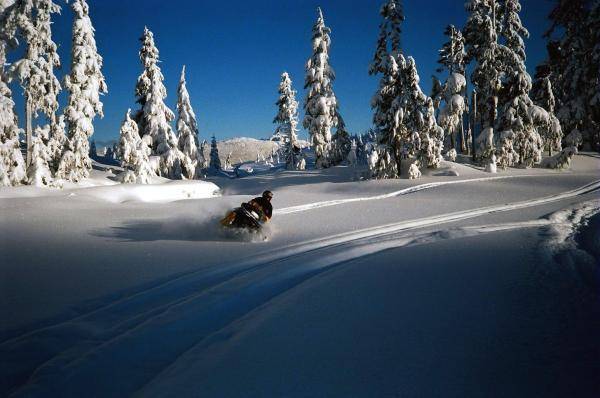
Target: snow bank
x=155, y=193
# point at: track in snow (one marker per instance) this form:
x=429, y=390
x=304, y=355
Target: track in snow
x=110, y=343
x=405, y=191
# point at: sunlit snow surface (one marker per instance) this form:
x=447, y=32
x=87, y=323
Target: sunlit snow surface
x=459, y=284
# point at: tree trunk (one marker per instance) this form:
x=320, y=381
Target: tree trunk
x=28, y=132
x=463, y=147
x=474, y=105
x=453, y=140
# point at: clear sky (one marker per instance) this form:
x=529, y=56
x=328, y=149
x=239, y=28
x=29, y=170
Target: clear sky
x=236, y=50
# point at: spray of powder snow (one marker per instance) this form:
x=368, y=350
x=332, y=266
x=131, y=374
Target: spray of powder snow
x=200, y=228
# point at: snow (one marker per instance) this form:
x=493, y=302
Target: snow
x=161, y=190
x=359, y=287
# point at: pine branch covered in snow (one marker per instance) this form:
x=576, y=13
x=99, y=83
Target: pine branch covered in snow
x=85, y=84
x=287, y=121
x=187, y=130
x=320, y=104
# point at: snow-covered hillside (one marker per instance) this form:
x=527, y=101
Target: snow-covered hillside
x=486, y=284
x=245, y=149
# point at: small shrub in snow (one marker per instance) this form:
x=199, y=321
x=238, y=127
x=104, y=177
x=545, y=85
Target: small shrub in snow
x=414, y=172
x=490, y=166
x=507, y=156
x=451, y=155
x=561, y=160
x=38, y=172
x=352, y=158
x=484, y=144
x=574, y=139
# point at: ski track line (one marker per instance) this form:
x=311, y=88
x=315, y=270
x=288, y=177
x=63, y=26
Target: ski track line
x=371, y=237
x=404, y=191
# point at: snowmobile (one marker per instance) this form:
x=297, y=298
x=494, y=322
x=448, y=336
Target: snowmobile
x=251, y=215
x=242, y=217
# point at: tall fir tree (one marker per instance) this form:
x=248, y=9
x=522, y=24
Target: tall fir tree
x=320, y=105
x=389, y=40
x=35, y=70
x=573, y=66
x=452, y=54
x=452, y=59
x=154, y=119
x=85, y=84
x=215, y=160
x=12, y=164
x=517, y=125
x=187, y=131
x=482, y=47
x=287, y=121
x=388, y=112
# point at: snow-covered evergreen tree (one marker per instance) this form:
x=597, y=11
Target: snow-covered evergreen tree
x=424, y=136
x=12, y=164
x=134, y=153
x=320, y=105
x=451, y=115
x=287, y=121
x=35, y=71
x=352, y=158
x=452, y=54
x=519, y=114
x=385, y=159
x=38, y=172
x=388, y=121
x=154, y=119
x=187, y=130
x=85, y=84
x=573, y=66
x=552, y=131
x=215, y=161
x=452, y=58
x=57, y=142
x=481, y=43
x=341, y=143
x=389, y=41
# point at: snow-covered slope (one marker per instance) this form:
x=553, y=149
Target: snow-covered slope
x=447, y=286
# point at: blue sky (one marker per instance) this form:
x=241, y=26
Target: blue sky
x=235, y=52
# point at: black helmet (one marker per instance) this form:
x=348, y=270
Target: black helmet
x=268, y=195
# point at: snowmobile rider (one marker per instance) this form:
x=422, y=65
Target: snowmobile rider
x=261, y=205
